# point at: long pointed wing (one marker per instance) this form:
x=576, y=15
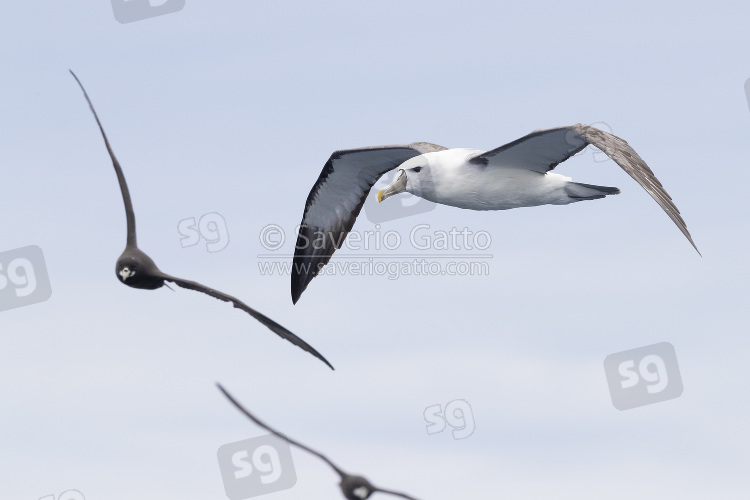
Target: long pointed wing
x=335, y=200
x=277, y=433
x=395, y=493
x=543, y=150
x=271, y=324
x=118, y=170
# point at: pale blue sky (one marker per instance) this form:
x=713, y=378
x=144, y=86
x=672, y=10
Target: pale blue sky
x=234, y=107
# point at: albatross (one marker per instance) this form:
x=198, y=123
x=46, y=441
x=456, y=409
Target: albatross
x=518, y=174
x=137, y=270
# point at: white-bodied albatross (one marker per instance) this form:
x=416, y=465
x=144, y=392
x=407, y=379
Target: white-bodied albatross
x=511, y=176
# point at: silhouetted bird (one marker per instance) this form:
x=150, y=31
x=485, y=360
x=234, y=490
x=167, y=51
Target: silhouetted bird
x=136, y=269
x=353, y=487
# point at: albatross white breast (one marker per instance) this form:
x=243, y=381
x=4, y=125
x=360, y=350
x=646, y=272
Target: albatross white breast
x=450, y=178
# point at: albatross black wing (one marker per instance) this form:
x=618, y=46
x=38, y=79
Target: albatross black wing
x=335, y=201
x=131, y=242
x=277, y=433
x=543, y=150
x=271, y=324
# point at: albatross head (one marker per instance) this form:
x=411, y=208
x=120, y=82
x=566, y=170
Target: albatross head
x=413, y=176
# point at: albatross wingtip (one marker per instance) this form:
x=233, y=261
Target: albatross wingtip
x=696, y=247
x=299, y=284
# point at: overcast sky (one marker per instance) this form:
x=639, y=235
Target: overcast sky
x=233, y=108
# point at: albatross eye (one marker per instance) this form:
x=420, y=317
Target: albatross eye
x=416, y=169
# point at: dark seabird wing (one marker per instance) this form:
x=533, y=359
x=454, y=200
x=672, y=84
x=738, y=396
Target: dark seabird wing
x=543, y=150
x=131, y=242
x=395, y=493
x=268, y=322
x=335, y=200
x=277, y=433
x=344, y=476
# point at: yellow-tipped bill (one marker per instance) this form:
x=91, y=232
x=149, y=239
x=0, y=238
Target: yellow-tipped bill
x=397, y=186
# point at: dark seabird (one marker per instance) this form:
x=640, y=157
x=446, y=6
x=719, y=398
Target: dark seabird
x=353, y=487
x=136, y=269
x=515, y=175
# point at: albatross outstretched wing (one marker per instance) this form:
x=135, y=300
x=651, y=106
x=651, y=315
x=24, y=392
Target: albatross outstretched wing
x=543, y=150
x=336, y=199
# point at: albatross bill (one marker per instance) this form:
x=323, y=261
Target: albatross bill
x=397, y=186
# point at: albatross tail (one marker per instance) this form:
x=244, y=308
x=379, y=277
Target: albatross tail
x=580, y=192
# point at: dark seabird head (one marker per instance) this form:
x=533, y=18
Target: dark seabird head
x=356, y=487
x=136, y=269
